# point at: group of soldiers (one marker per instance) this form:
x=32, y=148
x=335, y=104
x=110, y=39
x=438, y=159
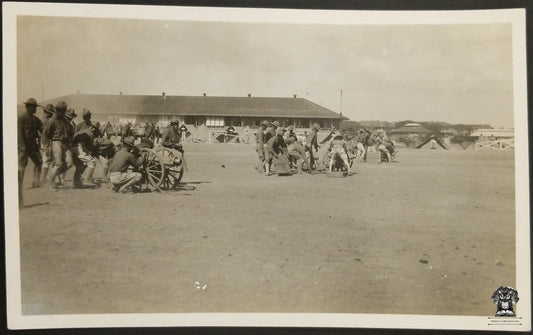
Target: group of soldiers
x=273, y=141
x=56, y=143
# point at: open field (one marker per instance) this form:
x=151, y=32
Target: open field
x=430, y=234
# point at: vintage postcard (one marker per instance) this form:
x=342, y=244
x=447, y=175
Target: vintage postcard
x=186, y=166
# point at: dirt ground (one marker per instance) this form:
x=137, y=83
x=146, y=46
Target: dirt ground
x=432, y=233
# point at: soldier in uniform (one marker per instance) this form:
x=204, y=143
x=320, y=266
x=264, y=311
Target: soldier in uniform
x=338, y=147
x=86, y=124
x=260, y=145
x=311, y=142
x=46, y=154
x=274, y=147
x=121, y=179
x=56, y=136
x=83, y=154
x=29, y=129
x=296, y=152
x=172, y=136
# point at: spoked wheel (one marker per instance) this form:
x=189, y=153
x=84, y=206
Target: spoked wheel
x=173, y=161
x=154, y=168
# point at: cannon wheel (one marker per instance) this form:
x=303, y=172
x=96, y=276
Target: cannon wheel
x=173, y=174
x=154, y=169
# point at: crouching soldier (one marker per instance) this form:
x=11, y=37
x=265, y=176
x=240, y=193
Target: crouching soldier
x=120, y=177
x=83, y=154
x=338, y=147
x=296, y=153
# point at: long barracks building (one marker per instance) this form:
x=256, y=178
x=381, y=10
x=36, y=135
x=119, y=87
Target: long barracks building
x=213, y=112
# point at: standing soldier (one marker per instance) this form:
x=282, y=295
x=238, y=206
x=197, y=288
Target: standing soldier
x=70, y=115
x=46, y=154
x=172, y=136
x=56, y=136
x=29, y=135
x=184, y=130
x=312, y=142
x=86, y=115
x=260, y=145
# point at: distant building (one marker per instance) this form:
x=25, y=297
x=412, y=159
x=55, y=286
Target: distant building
x=375, y=124
x=213, y=112
x=410, y=129
x=494, y=133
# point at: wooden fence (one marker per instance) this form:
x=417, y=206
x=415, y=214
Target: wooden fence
x=500, y=144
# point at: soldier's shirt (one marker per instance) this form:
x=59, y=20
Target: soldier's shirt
x=311, y=140
x=83, y=125
x=171, y=136
x=29, y=129
x=269, y=133
x=85, y=137
x=122, y=160
x=57, y=129
x=276, y=144
x=338, y=145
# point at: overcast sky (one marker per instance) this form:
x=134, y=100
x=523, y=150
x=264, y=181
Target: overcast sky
x=451, y=73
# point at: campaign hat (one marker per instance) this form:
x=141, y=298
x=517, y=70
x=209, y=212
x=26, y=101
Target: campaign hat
x=316, y=126
x=49, y=109
x=61, y=106
x=130, y=140
x=31, y=102
x=265, y=123
x=85, y=112
x=71, y=113
x=275, y=123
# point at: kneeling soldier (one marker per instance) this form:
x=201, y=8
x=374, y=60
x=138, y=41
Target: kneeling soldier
x=119, y=175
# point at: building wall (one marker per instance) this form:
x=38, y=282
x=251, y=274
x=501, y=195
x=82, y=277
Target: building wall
x=215, y=121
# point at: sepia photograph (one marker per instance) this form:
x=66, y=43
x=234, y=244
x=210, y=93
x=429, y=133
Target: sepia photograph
x=186, y=166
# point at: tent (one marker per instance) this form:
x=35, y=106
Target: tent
x=433, y=141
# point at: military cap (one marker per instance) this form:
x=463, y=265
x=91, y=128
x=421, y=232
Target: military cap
x=130, y=140
x=275, y=123
x=290, y=128
x=71, y=113
x=31, y=102
x=49, y=109
x=175, y=120
x=316, y=126
x=61, y=106
x=85, y=112
x=265, y=123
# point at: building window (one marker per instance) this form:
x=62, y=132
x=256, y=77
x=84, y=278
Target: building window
x=301, y=123
x=214, y=122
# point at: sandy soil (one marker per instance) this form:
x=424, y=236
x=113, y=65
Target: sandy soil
x=432, y=233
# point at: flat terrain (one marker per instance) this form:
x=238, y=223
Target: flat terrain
x=432, y=233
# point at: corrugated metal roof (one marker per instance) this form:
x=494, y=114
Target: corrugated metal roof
x=197, y=105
